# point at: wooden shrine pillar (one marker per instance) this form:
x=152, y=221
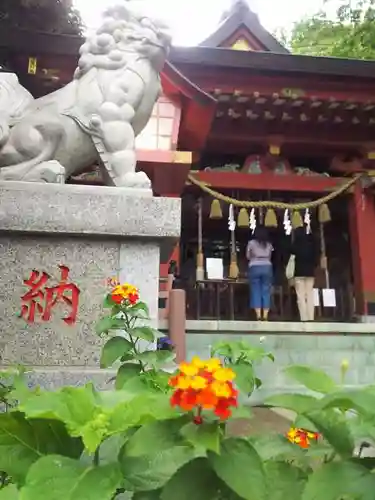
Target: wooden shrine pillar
x=362, y=240
x=165, y=280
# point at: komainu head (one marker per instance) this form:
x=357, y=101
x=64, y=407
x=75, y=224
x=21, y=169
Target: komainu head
x=124, y=32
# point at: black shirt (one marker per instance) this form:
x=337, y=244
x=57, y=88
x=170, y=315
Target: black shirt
x=306, y=254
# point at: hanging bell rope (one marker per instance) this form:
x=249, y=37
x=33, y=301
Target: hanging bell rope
x=233, y=266
x=200, y=255
x=275, y=204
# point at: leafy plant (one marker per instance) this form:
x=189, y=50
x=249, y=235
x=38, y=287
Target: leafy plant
x=160, y=436
x=241, y=357
x=134, y=346
x=10, y=381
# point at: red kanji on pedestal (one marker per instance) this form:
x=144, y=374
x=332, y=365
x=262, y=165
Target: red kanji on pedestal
x=41, y=299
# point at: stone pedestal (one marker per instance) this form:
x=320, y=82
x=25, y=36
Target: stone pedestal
x=98, y=233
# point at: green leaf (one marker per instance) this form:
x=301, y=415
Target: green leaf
x=302, y=422
x=67, y=479
x=157, y=435
x=362, y=428
x=241, y=412
x=72, y=405
x=142, y=409
x=143, y=332
x=154, y=470
x=298, y=403
x=313, y=379
x=10, y=492
x=335, y=430
x=164, y=357
x=194, y=481
x=241, y=468
x=284, y=481
x=206, y=435
x=258, y=383
x=113, y=350
x=110, y=448
x=366, y=462
x=147, y=495
x=22, y=442
x=126, y=372
x=104, y=325
x=339, y=480
x=276, y=447
x=78, y=407
x=245, y=379
x=361, y=400
x=140, y=311
x=156, y=359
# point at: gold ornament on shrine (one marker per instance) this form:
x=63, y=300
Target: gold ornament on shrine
x=216, y=212
x=243, y=219
x=297, y=220
x=324, y=214
x=271, y=218
x=274, y=150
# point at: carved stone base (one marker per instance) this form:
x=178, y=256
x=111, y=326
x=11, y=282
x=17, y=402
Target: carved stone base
x=98, y=233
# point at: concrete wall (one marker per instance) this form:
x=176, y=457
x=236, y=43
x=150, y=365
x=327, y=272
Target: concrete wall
x=321, y=351
x=98, y=232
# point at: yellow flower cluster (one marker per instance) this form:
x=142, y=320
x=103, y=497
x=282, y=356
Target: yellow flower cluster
x=125, y=292
x=200, y=374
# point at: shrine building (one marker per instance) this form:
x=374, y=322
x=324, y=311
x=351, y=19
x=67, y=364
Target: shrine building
x=244, y=127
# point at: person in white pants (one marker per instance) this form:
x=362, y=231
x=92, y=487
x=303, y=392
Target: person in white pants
x=306, y=252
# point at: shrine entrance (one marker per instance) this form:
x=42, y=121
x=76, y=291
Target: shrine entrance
x=225, y=297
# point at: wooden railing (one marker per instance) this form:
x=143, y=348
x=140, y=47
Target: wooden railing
x=229, y=301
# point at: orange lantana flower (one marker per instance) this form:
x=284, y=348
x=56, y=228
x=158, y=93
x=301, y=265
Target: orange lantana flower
x=302, y=437
x=204, y=385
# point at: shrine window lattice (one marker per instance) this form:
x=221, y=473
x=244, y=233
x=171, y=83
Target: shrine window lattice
x=158, y=133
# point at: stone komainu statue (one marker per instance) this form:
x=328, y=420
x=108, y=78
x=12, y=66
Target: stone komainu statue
x=99, y=113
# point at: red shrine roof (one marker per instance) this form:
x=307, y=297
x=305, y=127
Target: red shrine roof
x=240, y=28
x=272, y=63
x=199, y=106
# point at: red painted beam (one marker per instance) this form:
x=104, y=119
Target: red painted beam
x=268, y=181
x=239, y=131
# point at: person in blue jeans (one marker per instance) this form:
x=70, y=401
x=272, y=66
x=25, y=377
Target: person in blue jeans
x=259, y=252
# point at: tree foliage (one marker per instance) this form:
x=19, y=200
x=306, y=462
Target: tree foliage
x=349, y=33
x=52, y=16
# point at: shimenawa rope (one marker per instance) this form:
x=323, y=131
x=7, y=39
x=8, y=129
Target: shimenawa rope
x=275, y=204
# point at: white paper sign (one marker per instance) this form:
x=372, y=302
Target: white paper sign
x=215, y=269
x=329, y=297
x=316, y=297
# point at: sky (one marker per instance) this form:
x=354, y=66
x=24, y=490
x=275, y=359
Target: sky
x=193, y=20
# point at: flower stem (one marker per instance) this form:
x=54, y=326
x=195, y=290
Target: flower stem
x=96, y=457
